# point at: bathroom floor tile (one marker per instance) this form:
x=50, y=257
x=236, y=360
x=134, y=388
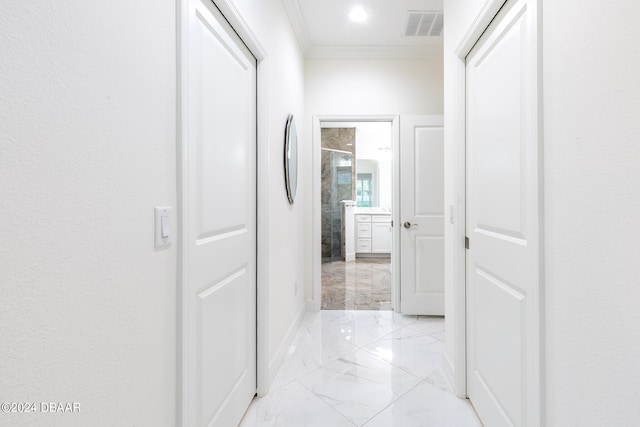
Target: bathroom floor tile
x=363, y=284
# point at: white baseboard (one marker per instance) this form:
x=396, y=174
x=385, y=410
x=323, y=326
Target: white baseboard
x=311, y=305
x=373, y=255
x=450, y=375
x=278, y=358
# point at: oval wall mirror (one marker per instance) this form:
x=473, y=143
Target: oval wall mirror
x=291, y=159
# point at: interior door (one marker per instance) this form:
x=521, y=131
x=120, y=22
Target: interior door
x=422, y=215
x=219, y=222
x=502, y=221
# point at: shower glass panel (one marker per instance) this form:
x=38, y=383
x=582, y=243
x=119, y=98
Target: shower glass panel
x=337, y=185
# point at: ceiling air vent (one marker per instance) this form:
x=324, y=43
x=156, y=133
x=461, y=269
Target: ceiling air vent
x=424, y=24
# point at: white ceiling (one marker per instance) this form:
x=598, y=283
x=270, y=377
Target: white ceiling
x=324, y=29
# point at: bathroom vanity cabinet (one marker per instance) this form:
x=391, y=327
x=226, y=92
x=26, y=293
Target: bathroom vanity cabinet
x=373, y=233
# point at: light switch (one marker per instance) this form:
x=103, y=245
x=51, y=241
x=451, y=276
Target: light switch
x=165, y=227
x=162, y=226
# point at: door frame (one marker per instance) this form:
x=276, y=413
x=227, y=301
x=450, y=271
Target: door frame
x=247, y=35
x=314, y=304
x=457, y=368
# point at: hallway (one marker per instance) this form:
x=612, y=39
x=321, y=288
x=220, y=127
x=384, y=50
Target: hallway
x=356, y=368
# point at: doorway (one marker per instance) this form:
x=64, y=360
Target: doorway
x=356, y=215
x=354, y=201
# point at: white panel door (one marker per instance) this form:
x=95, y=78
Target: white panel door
x=502, y=221
x=219, y=220
x=422, y=215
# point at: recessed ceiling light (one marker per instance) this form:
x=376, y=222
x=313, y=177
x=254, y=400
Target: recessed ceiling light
x=358, y=14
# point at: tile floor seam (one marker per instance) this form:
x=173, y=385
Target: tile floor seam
x=390, y=403
x=279, y=387
x=381, y=336
x=340, y=373
x=387, y=334
x=438, y=338
x=313, y=371
x=321, y=366
x=324, y=400
x=396, y=366
x=327, y=403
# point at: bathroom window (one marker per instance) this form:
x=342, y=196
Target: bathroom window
x=364, y=190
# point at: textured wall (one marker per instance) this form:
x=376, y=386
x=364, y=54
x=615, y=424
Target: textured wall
x=88, y=148
x=591, y=196
x=458, y=16
x=285, y=91
x=87, y=131
x=592, y=212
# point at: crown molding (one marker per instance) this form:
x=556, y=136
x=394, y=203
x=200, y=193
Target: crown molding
x=297, y=23
x=296, y=18
x=374, y=52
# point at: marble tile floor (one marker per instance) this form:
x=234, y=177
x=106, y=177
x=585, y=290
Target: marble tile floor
x=363, y=368
x=363, y=284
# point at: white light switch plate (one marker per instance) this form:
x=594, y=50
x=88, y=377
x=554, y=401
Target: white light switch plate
x=163, y=227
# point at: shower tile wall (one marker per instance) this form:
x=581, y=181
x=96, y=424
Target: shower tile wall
x=334, y=186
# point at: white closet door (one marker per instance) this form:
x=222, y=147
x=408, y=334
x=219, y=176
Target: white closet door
x=219, y=200
x=502, y=221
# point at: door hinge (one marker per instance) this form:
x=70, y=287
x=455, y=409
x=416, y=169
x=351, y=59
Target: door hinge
x=466, y=242
x=392, y=223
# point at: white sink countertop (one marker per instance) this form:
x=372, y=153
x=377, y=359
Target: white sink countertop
x=376, y=211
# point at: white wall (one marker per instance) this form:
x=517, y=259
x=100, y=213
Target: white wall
x=88, y=128
x=373, y=86
x=591, y=206
x=338, y=86
x=384, y=189
x=88, y=131
x=370, y=138
x=592, y=212
x=459, y=15
x=285, y=71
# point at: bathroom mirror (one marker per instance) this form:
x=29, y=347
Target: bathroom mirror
x=291, y=159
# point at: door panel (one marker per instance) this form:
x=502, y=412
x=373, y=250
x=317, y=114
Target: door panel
x=422, y=205
x=219, y=199
x=429, y=171
x=381, y=237
x=502, y=221
x=430, y=268
x=214, y=310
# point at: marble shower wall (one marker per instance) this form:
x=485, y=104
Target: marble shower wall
x=343, y=139
x=338, y=177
